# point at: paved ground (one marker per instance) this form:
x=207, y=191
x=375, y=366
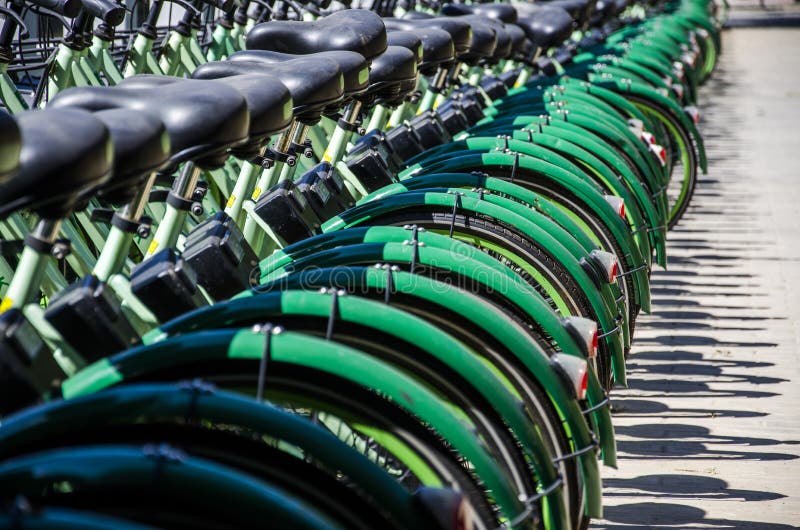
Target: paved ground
x=709, y=431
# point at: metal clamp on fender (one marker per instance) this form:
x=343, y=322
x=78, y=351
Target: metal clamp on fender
x=268, y=330
x=557, y=483
x=613, y=331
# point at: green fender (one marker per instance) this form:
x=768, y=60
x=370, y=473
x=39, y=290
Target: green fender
x=579, y=142
x=617, y=131
x=561, y=227
x=585, y=189
x=134, y=403
x=496, y=281
x=603, y=307
x=244, y=499
x=401, y=326
x=635, y=152
x=494, y=322
x=579, y=247
x=638, y=202
x=590, y=166
x=526, y=197
x=668, y=104
x=378, y=235
x=569, y=94
x=643, y=173
x=308, y=352
x=572, y=86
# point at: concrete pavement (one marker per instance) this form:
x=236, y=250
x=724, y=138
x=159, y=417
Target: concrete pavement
x=709, y=430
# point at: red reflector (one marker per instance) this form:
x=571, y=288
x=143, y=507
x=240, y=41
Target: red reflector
x=612, y=274
x=694, y=114
x=584, y=386
x=660, y=153
x=618, y=203
x=595, y=344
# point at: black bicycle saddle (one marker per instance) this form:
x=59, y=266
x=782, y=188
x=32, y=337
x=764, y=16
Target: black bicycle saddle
x=203, y=119
x=141, y=146
x=392, y=75
x=65, y=155
x=546, y=26
x=502, y=12
x=314, y=83
x=355, y=30
x=408, y=40
x=460, y=30
x=353, y=65
x=437, y=47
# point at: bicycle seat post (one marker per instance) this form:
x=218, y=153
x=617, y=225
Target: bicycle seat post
x=170, y=227
x=38, y=247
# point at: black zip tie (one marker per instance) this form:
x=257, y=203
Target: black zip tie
x=632, y=271
x=333, y=313
x=162, y=454
x=660, y=191
x=453, y=215
x=267, y=330
x=196, y=387
x=613, y=331
x=515, y=166
x=557, y=483
x=389, y=284
x=530, y=504
x=658, y=228
x=597, y=406
x=579, y=452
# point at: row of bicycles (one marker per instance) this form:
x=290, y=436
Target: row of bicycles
x=309, y=264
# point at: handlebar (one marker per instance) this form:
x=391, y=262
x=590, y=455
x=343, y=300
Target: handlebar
x=108, y=11
x=68, y=8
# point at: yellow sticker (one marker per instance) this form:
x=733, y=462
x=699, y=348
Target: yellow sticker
x=256, y=194
x=6, y=304
x=230, y=202
x=326, y=157
x=152, y=248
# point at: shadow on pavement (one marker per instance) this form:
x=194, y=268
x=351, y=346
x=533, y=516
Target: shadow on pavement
x=663, y=516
